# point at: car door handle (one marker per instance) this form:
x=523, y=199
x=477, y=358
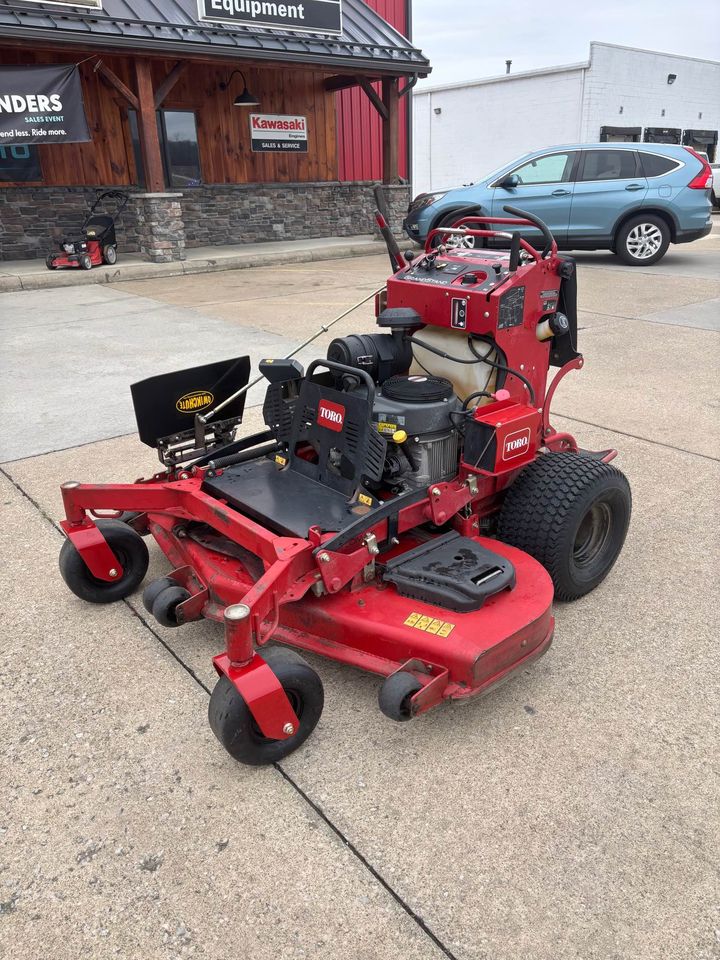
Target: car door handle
x=634, y=186
x=561, y=193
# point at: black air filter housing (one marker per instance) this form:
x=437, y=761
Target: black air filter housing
x=418, y=389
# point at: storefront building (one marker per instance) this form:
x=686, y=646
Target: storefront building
x=270, y=121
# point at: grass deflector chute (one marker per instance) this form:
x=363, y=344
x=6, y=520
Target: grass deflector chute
x=409, y=509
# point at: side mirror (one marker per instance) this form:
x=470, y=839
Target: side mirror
x=510, y=182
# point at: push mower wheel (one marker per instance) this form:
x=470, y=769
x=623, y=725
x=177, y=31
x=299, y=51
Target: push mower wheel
x=109, y=254
x=571, y=512
x=395, y=695
x=131, y=552
x=85, y=262
x=50, y=261
x=166, y=603
x=153, y=590
x=233, y=724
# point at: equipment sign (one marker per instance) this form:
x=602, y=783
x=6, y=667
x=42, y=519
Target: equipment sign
x=269, y=132
x=306, y=16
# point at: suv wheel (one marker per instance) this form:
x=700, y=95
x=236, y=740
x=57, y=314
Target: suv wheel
x=642, y=240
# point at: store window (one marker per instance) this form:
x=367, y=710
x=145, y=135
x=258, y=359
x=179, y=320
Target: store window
x=19, y=164
x=177, y=130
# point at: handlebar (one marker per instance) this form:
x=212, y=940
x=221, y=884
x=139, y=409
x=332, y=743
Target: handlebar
x=542, y=227
x=521, y=219
x=354, y=372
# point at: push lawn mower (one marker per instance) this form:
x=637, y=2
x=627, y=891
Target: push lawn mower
x=409, y=509
x=95, y=242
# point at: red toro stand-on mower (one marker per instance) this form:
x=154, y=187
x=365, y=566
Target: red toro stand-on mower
x=95, y=242
x=409, y=509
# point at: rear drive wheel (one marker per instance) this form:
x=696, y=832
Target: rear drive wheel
x=131, y=552
x=234, y=725
x=109, y=254
x=571, y=513
x=395, y=695
x=642, y=241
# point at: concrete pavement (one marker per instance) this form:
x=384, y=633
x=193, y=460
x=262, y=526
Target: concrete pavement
x=571, y=814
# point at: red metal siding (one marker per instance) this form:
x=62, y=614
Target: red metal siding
x=358, y=123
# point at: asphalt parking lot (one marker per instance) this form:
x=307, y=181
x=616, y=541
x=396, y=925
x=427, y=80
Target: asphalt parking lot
x=571, y=814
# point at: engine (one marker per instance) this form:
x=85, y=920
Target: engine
x=415, y=414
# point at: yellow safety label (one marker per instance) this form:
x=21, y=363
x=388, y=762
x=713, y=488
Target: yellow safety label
x=429, y=624
x=281, y=460
x=366, y=500
x=385, y=427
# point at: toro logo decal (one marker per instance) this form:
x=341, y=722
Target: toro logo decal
x=331, y=415
x=194, y=401
x=516, y=444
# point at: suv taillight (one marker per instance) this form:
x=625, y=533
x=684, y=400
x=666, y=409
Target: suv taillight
x=704, y=179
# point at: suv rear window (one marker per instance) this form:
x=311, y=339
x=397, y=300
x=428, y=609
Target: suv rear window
x=608, y=165
x=655, y=166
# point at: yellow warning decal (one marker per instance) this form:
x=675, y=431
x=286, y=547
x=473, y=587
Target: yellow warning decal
x=429, y=625
x=281, y=460
x=366, y=500
x=385, y=427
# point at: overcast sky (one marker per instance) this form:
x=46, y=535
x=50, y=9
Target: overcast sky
x=468, y=39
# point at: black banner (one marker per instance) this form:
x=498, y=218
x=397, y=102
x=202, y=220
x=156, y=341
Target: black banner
x=304, y=16
x=41, y=105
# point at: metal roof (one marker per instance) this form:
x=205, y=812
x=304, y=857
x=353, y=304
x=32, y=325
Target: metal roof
x=172, y=26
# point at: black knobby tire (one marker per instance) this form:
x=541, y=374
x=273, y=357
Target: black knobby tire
x=166, y=603
x=571, y=512
x=131, y=552
x=234, y=725
x=628, y=243
x=395, y=696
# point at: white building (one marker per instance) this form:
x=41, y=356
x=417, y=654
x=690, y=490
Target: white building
x=463, y=131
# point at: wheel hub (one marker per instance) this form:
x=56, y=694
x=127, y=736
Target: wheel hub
x=644, y=241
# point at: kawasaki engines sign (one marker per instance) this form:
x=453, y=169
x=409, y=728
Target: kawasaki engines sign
x=41, y=105
x=307, y=16
x=270, y=132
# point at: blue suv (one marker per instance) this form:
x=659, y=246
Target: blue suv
x=632, y=198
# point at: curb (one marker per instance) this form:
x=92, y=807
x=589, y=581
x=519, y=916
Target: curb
x=151, y=271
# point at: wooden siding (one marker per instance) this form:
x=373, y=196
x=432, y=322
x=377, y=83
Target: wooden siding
x=223, y=130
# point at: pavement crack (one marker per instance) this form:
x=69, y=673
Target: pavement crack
x=366, y=863
x=319, y=812
x=635, y=436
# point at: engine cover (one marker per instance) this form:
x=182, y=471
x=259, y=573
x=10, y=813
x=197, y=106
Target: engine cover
x=419, y=405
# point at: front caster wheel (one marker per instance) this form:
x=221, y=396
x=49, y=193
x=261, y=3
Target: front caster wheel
x=234, y=725
x=131, y=552
x=395, y=696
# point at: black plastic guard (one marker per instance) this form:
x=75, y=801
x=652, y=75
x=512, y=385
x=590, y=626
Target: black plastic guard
x=167, y=404
x=453, y=572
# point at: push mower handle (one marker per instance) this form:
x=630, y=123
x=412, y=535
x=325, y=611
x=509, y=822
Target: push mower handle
x=354, y=372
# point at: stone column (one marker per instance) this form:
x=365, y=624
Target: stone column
x=160, y=227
